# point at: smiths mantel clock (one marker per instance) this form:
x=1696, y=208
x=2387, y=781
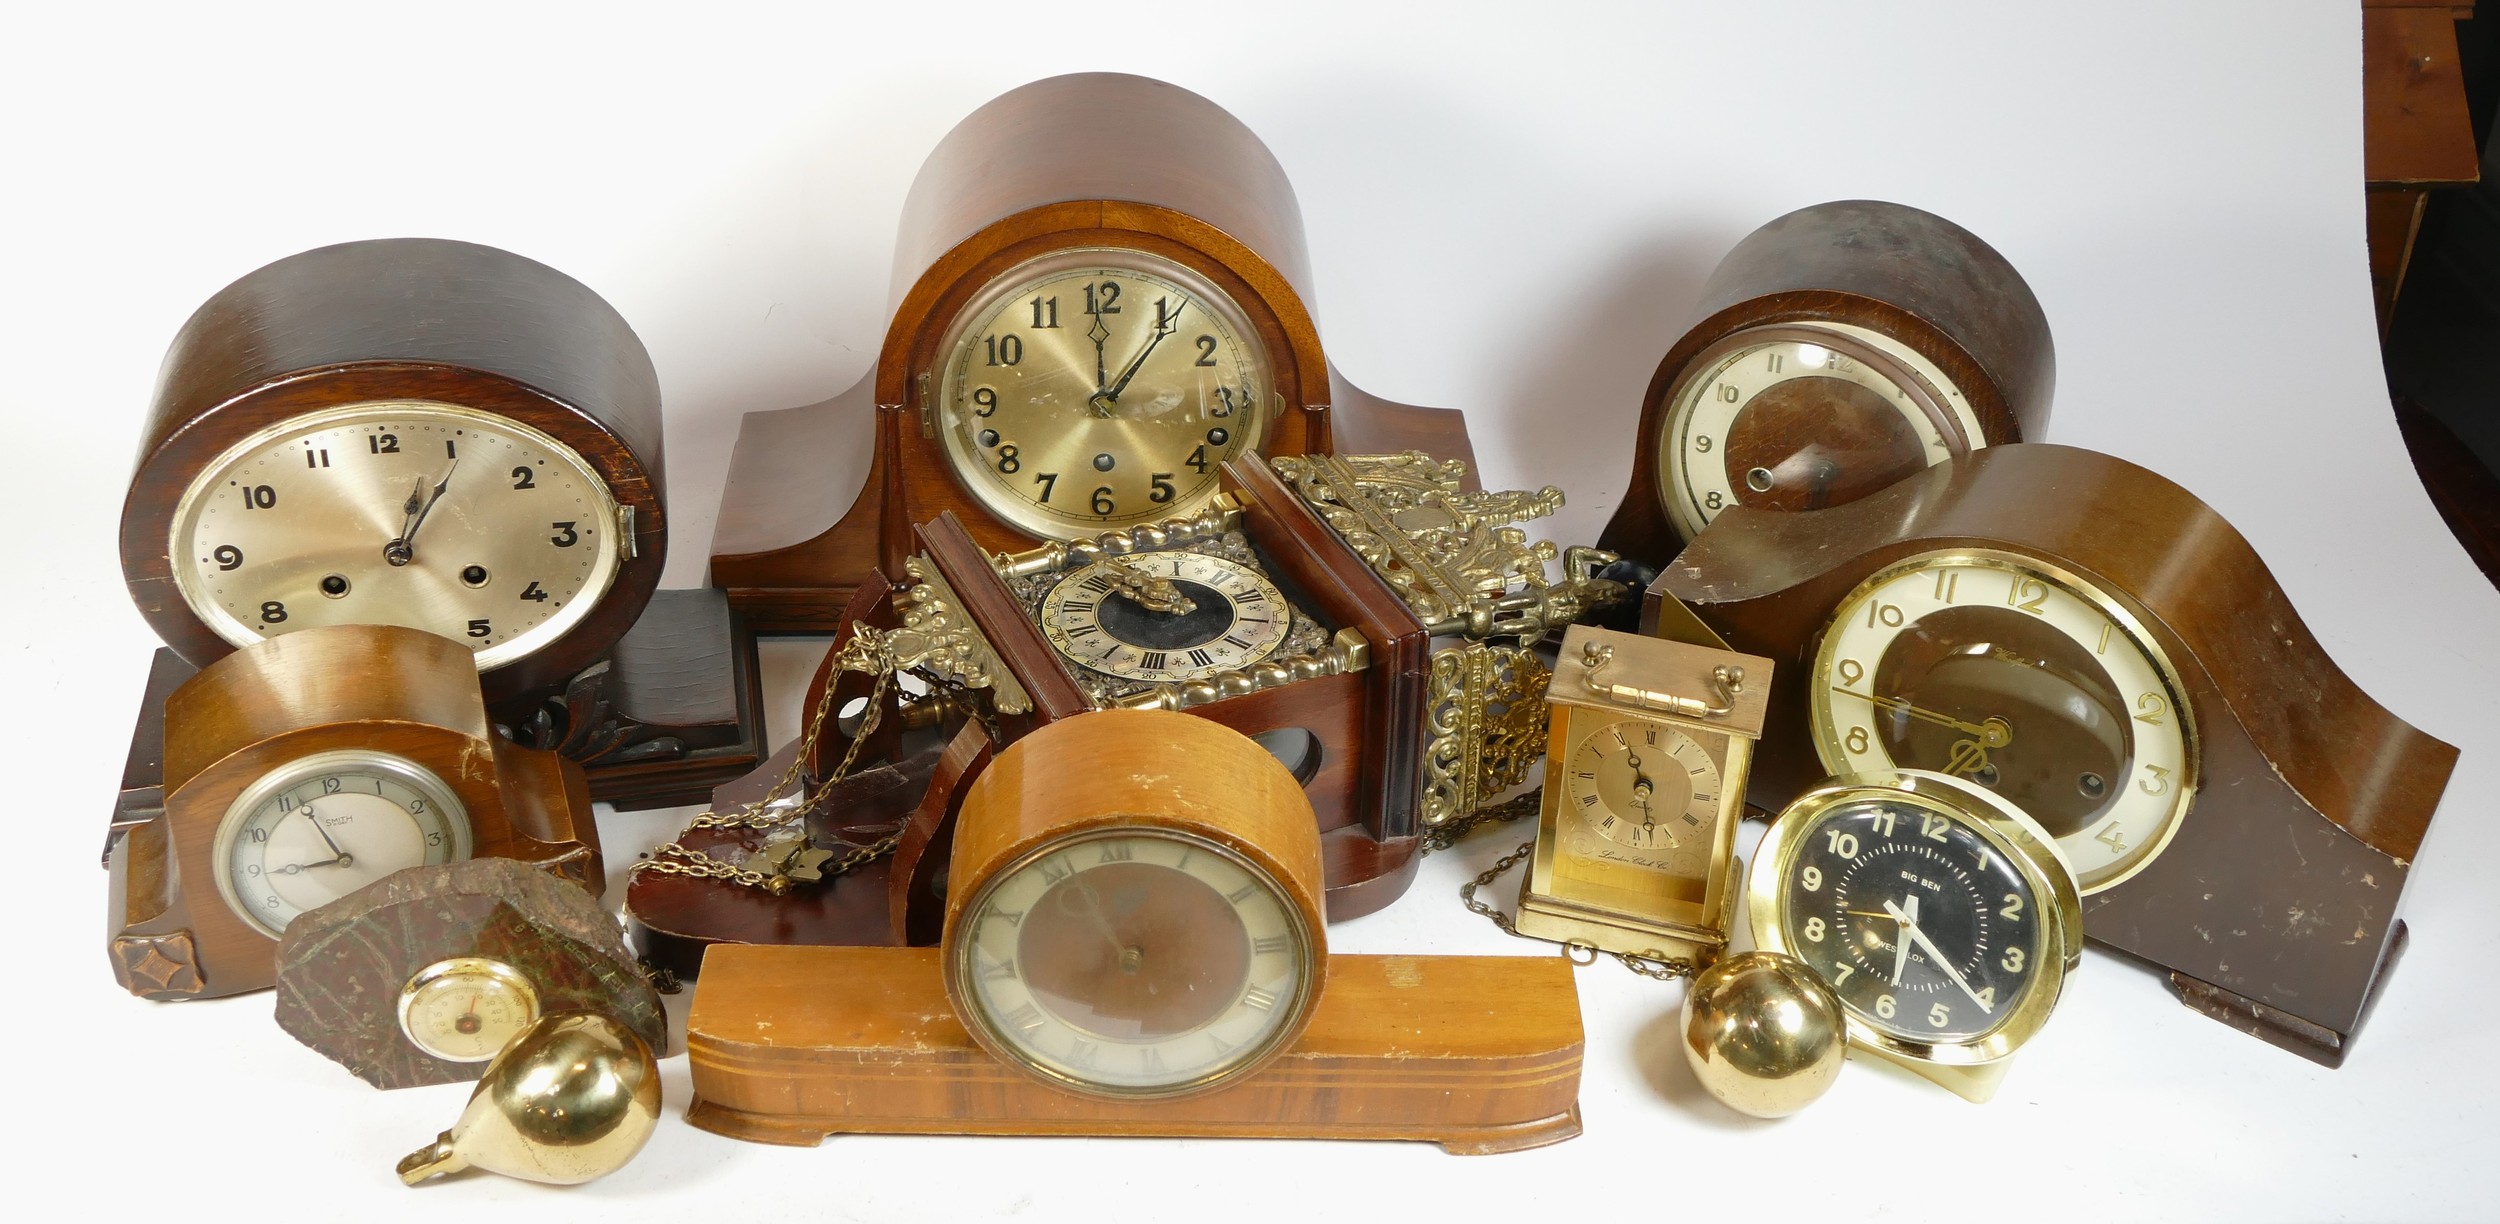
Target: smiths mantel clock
x=304, y=768
x=1134, y=945
x=411, y=432
x=2117, y=662
x=1649, y=744
x=1841, y=348
x=1102, y=296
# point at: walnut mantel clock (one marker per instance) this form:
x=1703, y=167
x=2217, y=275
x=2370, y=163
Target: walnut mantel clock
x=1102, y=294
x=2116, y=661
x=1840, y=348
x=306, y=767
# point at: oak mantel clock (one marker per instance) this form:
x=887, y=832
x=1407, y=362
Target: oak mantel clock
x=303, y=768
x=1102, y=294
x=2116, y=661
x=1840, y=348
x=1133, y=945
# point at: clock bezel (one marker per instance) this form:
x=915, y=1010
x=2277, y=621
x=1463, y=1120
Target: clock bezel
x=2005, y=829
x=294, y=773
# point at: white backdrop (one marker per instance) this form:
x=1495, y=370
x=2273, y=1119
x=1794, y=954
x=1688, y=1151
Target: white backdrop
x=1510, y=208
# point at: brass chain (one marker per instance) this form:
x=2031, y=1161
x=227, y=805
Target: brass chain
x=863, y=653
x=1442, y=837
x=1667, y=970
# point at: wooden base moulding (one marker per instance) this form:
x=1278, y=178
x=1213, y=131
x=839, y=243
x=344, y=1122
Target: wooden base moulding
x=1479, y=1054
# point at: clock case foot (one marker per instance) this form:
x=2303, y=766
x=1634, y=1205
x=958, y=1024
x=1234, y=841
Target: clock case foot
x=790, y=1045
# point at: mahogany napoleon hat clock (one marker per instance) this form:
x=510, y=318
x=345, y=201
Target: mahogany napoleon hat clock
x=1102, y=293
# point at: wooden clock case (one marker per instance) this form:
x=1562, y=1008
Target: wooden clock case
x=655, y=695
x=1478, y=1054
x=2274, y=907
x=1894, y=269
x=1365, y=723
x=1088, y=160
x=367, y=687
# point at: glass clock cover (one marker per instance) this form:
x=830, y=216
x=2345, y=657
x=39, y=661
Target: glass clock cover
x=323, y=826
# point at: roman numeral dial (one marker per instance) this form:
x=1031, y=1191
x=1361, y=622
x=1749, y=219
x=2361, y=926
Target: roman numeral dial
x=1233, y=617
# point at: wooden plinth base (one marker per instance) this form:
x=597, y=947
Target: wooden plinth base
x=1479, y=1054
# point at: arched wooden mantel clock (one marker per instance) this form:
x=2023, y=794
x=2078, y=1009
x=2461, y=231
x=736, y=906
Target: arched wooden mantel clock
x=448, y=437
x=2091, y=642
x=1841, y=348
x=1368, y=620
x=1102, y=294
x=1134, y=946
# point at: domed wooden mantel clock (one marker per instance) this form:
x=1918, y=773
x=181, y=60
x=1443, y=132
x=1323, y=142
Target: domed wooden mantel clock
x=1102, y=294
x=2089, y=641
x=447, y=437
x=1841, y=348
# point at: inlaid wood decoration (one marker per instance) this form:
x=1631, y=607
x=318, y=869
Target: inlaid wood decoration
x=1840, y=348
x=2086, y=639
x=1102, y=294
x=306, y=767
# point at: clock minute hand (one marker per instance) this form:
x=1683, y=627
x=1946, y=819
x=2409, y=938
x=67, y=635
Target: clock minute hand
x=1163, y=327
x=1909, y=927
x=420, y=504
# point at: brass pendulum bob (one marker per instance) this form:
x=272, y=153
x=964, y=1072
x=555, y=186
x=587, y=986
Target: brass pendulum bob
x=1764, y=1034
x=571, y=1098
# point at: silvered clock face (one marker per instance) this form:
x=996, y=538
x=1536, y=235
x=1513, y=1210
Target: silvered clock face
x=1099, y=388
x=1798, y=417
x=320, y=827
x=1234, y=617
x=398, y=512
x=1135, y=962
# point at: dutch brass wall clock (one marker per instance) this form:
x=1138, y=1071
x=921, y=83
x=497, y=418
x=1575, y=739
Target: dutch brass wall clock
x=1102, y=296
x=1840, y=348
x=2115, y=660
x=1134, y=945
x=304, y=768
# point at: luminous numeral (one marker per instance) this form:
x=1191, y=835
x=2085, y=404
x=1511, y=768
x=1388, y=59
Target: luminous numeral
x=1843, y=844
x=1932, y=827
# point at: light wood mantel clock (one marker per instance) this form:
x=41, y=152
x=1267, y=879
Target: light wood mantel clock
x=1102, y=294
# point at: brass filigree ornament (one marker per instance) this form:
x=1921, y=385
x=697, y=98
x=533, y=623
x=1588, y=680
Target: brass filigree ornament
x=1485, y=711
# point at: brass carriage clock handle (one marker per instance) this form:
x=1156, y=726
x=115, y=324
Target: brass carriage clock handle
x=1726, y=679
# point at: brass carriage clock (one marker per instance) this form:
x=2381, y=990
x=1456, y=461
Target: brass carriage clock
x=1645, y=769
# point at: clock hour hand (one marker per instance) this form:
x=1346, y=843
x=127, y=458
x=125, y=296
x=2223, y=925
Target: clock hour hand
x=1098, y=334
x=1164, y=326
x=420, y=503
x=1909, y=927
x=1993, y=733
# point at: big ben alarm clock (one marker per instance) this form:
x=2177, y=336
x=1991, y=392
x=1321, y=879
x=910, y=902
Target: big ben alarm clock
x=1840, y=348
x=2090, y=642
x=406, y=431
x=1134, y=945
x=304, y=768
x=1102, y=295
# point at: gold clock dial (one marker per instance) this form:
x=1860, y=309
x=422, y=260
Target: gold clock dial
x=1798, y=417
x=398, y=512
x=1646, y=786
x=466, y=1008
x=2023, y=679
x=323, y=826
x=1099, y=388
x=1232, y=617
x=1136, y=962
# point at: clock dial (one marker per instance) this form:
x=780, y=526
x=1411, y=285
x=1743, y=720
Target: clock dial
x=1645, y=786
x=1925, y=928
x=466, y=1008
x=1135, y=961
x=1118, y=618
x=1801, y=417
x=321, y=827
x=2023, y=679
x=1099, y=388
x=398, y=512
